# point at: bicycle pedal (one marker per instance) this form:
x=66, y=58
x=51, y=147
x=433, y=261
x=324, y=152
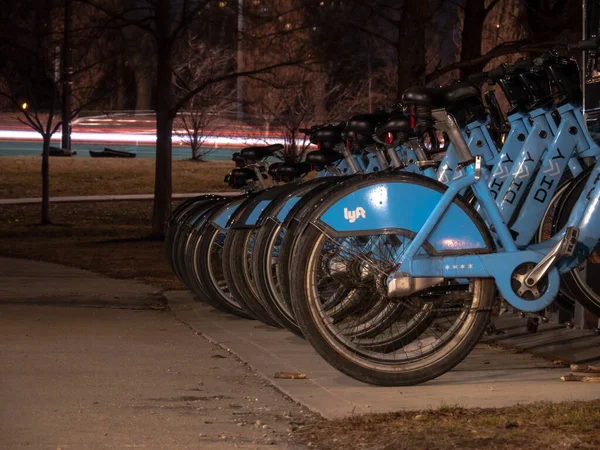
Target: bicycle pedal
x=570, y=241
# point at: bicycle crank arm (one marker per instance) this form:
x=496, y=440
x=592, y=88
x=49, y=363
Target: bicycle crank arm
x=565, y=247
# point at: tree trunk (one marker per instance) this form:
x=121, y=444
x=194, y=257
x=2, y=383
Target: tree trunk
x=163, y=183
x=45, y=218
x=164, y=120
x=196, y=144
x=410, y=48
x=143, y=88
x=471, y=37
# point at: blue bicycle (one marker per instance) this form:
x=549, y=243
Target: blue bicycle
x=437, y=259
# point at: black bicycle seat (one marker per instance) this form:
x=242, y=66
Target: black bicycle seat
x=396, y=123
x=328, y=134
x=239, y=160
x=364, y=124
x=287, y=172
x=323, y=157
x=260, y=152
x=274, y=169
x=440, y=97
x=239, y=178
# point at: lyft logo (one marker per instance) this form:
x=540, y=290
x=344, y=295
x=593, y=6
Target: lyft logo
x=352, y=215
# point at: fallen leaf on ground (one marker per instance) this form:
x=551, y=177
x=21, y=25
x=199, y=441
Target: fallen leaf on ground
x=290, y=375
x=572, y=377
x=585, y=368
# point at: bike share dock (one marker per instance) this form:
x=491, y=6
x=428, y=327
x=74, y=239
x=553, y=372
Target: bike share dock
x=499, y=372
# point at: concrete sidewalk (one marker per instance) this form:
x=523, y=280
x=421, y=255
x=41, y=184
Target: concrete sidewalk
x=40, y=283
x=92, y=362
x=88, y=362
x=489, y=377
x=102, y=198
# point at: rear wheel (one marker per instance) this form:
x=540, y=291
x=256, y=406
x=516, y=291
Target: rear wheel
x=582, y=284
x=339, y=294
x=418, y=338
x=266, y=274
x=237, y=262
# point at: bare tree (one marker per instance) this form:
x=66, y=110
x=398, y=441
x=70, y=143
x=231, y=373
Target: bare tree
x=31, y=79
x=295, y=97
x=195, y=64
x=168, y=22
x=493, y=29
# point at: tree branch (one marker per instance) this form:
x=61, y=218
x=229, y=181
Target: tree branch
x=121, y=15
x=490, y=7
x=503, y=49
x=375, y=34
x=183, y=100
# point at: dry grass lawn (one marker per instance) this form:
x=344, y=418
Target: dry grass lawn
x=105, y=237
x=20, y=176
x=537, y=426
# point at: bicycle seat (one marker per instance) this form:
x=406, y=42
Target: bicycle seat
x=323, y=157
x=274, y=169
x=397, y=122
x=238, y=159
x=260, y=152
x=330, y=134
x=440, y=97
x=364, y=124
x=287, y=172
x=239, y=178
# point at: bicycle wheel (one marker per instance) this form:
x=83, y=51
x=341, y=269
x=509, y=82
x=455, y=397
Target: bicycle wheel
x=292, y=223
x=582, y=284
x=238, y=250
x=266, y=274
x=204, y=265
x=179, y=218
x=265, y=267
x=191, y=218
x=425, y=335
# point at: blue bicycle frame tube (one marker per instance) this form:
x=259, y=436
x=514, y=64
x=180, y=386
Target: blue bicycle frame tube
x=511, y=148
x=570, y=139
x=538, y=141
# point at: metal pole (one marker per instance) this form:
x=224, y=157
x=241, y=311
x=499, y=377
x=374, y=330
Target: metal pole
x=240, y=61
x=67, y=74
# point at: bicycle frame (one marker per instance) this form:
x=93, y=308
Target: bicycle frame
x=501, y=265
x=570, y=136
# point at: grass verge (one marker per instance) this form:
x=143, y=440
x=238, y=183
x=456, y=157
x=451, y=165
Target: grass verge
x=538, y=426
x=105, y=237
x=20, y=177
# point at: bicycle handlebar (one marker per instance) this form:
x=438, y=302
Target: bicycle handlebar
x=524, y=65
x=587, y=44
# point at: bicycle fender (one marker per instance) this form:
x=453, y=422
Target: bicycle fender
x=387, y=204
